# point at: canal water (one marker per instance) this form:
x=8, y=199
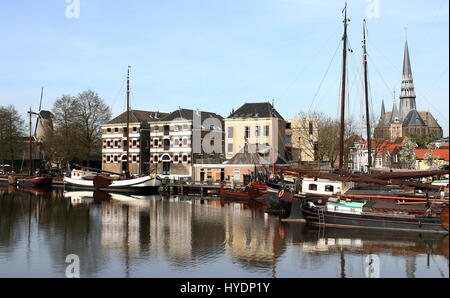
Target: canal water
x=152, y=236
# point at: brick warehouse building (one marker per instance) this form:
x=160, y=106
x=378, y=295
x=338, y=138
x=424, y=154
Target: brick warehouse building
x=173, y=140
x=114, y=142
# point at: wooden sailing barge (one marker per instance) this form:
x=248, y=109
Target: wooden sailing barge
x=83, y=179
x=371, y=211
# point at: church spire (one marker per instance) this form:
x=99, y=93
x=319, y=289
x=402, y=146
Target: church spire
x=395, y=115
x=383, y=109
x=407, y=95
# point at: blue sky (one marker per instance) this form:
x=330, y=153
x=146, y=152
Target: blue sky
x=216, y=55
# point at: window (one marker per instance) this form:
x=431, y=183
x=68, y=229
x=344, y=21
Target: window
x=134, y=158
x=311, y=128
x=329, y=188
x=135, y=129
x=116, y=159
x=313, y=187
x=166, y=130
x=155, y=158
x=247, y=132
x=108, y=130
x=230, y=132
x=257, y=131
x=116, y=129
x=156, y=128
x=176, y=142
x=108, y=158
x=230, y=148
x=155, y=143
x=116, y=144
x=108, y=144
x=266, y=131
x=166, y=144
x=134, y=143
x=185, y=142
x=185, y=158
x=176, y=158
x=185, y=127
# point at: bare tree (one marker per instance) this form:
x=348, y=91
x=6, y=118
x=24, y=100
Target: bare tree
x=12, y=131
x=317, y=136
x=77, y=133
x=91, y=113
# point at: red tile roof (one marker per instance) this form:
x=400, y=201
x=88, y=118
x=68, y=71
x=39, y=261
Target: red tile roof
x=438, y=153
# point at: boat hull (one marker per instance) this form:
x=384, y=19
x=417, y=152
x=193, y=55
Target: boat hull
x=365, y=221
x=35, y=182
x=138, y=185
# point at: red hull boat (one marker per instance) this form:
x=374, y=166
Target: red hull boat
x=255, y=193
x=35, y=182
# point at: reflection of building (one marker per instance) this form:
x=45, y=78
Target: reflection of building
x=252, y=237
x=406, y=120
x=114, y=135
x=171, y=229
x=120, y=226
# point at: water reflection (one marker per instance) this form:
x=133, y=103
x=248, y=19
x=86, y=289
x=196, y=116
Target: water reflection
x=117, y=235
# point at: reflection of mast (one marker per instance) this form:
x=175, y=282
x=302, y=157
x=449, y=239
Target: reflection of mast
x=274, y=257
x=342, y=263
x=411, y=266
x=127, y=244
x=29, y=227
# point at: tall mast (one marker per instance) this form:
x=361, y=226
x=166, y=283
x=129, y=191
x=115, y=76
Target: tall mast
x=366, y=95
x=344, y=77
x=127, y=173
x=31, y=145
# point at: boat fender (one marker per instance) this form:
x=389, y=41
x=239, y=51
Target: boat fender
x=281, y=194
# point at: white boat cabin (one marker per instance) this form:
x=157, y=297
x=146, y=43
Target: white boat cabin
x=80, y=175
x=325, y=186
x=344, y=206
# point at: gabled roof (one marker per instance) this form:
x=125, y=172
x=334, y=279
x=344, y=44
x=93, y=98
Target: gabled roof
x=413, y=119
x=137, y=116
x=256, y=110
x=428, y=118
x=188, y=115
x=249, y=155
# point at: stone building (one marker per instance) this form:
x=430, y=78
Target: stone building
x=405, y=120
x=303, y=135
x=114, y=147
x=256, y=123
x=183, y=138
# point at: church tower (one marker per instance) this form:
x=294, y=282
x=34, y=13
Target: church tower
x=407, y=95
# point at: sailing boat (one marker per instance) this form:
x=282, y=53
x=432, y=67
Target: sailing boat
x=368, y=211
x=34, y=180
x=90, y=179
